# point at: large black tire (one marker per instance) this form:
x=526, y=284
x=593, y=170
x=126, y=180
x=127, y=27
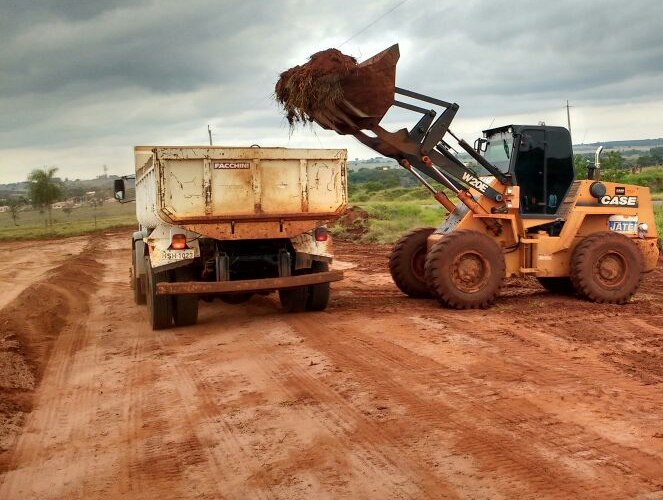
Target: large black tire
x=318, y=295
x=159, y=307
x=465, y=269
x=138, y=284
x=561, y=285
x=294, y=299
x=407, y=263
x=185, y=307
x=606, y=267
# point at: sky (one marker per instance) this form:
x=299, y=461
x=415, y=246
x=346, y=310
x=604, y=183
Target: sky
x=82, y=83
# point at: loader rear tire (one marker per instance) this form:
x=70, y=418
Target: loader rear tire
x=159, y=307
x=606, y=267
x=407, y=263
x=185, y=307
x=465, y=269
x=561, y=285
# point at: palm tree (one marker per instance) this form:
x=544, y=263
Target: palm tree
x=44, y=189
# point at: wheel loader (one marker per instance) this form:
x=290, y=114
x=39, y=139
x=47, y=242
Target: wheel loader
x=520, y=210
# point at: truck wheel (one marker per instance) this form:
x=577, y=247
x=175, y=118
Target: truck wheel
x=294, y=299
x=159, y=307
x=606, y=267
x=464, y=270
x=561, y=285
x=136, y=281
x=185, y=307
x=318, y=295
x=407, y=263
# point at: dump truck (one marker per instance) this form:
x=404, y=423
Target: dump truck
x=520, y=209
x=230, y=222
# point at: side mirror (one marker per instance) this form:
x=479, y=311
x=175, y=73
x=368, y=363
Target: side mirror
x=480, y=145
x=118, y=187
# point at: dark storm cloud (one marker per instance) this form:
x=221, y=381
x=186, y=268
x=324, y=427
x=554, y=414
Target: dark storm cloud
x=75, y=75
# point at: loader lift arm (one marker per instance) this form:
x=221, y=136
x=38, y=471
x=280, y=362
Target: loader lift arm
x=423, y=147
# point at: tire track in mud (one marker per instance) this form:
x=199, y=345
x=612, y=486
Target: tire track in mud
x=351, y=432
x=498, y=452
x=47, y=318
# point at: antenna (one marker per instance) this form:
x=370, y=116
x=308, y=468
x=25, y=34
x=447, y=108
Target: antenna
x=105, y=169
x=568, y=116
x=209, y=132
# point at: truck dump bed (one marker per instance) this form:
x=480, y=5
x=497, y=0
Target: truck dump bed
x=240, y=193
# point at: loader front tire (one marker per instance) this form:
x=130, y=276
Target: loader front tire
x=159, y=307
x=465, y=269
x=407, y=263
x=606, y=267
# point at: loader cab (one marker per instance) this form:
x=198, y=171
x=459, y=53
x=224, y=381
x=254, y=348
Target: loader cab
x=540, y=161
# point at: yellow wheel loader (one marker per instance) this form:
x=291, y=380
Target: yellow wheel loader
x=520, y=211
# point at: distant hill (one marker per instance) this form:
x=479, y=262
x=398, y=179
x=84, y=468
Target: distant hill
x=102, y=186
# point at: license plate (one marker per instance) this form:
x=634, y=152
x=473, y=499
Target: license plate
x=178, y=254
x=623, y=226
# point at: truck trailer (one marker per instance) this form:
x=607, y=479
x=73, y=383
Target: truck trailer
x=231, y=222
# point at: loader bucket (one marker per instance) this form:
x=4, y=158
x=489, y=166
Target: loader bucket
x=368, y=93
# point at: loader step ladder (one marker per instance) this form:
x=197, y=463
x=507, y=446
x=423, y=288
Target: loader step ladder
x=528, y=256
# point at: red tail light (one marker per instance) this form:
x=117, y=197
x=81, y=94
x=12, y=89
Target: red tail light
x=321, y=234
x=178, y=242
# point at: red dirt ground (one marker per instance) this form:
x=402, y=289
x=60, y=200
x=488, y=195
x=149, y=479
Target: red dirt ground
x=379, y=396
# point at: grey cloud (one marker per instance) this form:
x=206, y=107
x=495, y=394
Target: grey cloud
x=75, y=74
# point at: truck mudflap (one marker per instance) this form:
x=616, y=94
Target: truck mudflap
x=240, y=286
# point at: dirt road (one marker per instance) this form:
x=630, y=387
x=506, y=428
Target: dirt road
x=380, y=396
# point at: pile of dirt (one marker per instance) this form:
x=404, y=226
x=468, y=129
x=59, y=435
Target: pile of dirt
x=29, y=326
x=331, y=87
x=352, y=224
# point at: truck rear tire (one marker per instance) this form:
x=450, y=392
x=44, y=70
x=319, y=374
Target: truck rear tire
x=465, y=269
x=294, y=299
x=318, y=295
x=185, y=307
x=407, y=263
x=606, y=267
x=159, y=307
x=137, y=284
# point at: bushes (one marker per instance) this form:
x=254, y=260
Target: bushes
x=650, y=178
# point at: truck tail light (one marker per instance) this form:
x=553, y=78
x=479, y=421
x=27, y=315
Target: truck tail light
x=321, y=234
x=178, y=242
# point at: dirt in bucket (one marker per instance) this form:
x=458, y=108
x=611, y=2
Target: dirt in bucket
x=332, y=81
x=305, y=89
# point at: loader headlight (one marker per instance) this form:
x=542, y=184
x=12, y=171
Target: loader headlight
x=643, y=227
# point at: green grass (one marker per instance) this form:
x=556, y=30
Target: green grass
x=31, y=225
x=658, y=216
x=388, y=220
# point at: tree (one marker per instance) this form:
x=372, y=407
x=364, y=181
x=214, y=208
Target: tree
x=580, y=166
x=13, y=209
x=613, y=159
x=645, y=161
x=44, y=189
x=657, y=155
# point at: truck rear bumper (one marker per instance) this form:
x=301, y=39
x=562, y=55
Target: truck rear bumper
x=260, y=285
